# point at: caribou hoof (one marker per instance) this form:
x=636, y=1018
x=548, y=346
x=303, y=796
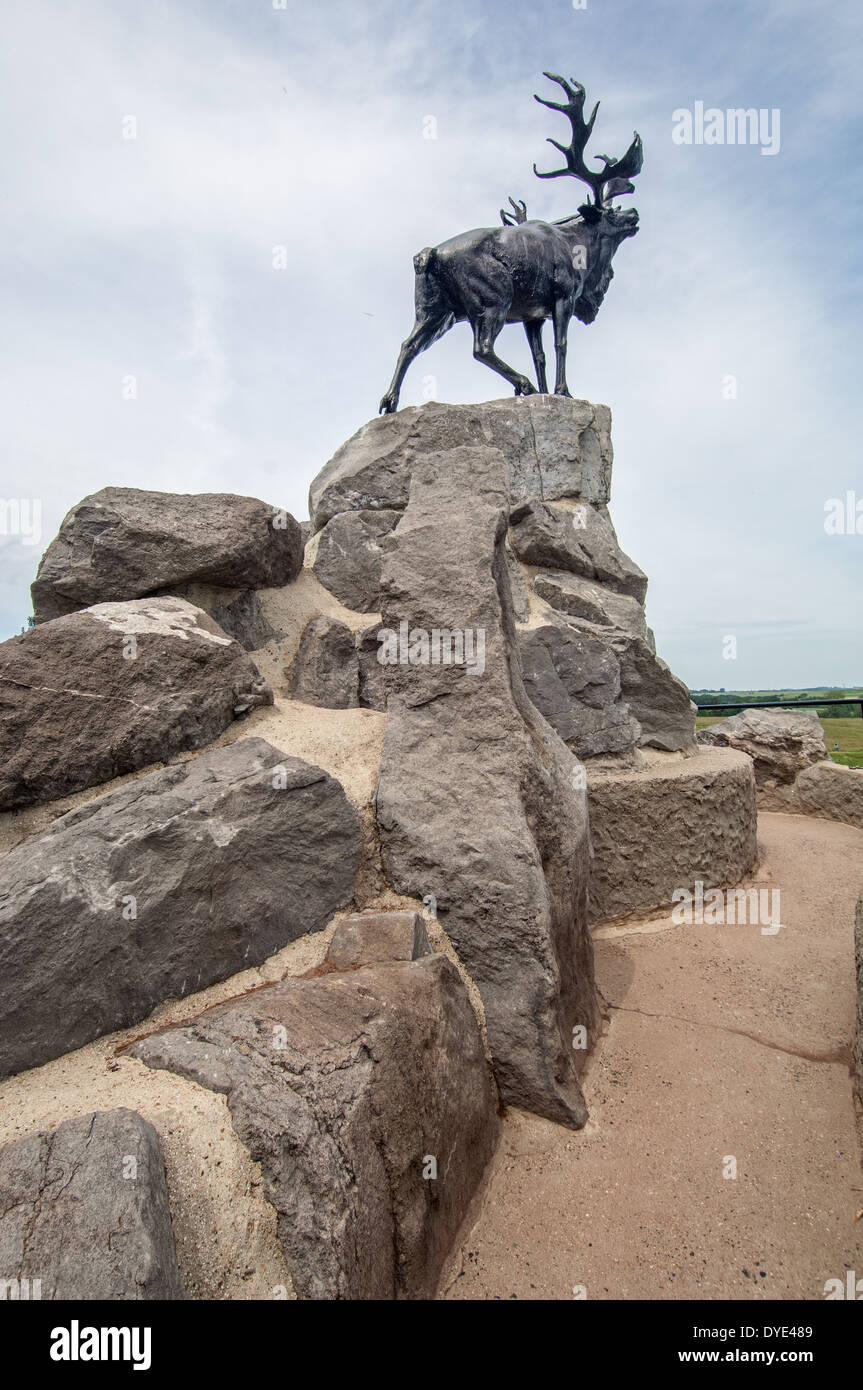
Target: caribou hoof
x=524, y=388
x=387, y=406
x=562, y=391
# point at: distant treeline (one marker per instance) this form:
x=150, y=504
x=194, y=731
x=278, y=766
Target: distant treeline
x=748, y=698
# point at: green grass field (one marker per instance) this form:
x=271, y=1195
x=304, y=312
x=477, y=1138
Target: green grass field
x=847, y=733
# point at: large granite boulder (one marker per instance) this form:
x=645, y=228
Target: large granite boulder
x=325, y=670
x=179, y=879
x=657, y=700
x=479, y=802
x=346, y=556
x=559, y=458
x=367, y=1100
x=84, y=1213
x=779, y=742
x=577, y=538
x=574, y=680
x=829, y=790
x=108, y=690
x=124, y=542
x=556, y=447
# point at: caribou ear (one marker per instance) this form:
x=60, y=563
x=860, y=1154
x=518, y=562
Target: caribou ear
x=517, y=216
x=615, y=188
x=590, y=212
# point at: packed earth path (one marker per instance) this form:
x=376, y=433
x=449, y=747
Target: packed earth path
x=727, y=1050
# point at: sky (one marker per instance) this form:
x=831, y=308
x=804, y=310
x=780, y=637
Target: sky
x=209, y=213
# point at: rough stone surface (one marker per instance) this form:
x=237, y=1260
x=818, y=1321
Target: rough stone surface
x=325, y=670
x=858, y=1036
x=517, y=586
x=556, y=448
x=347, y=557
x=106, y=691
x=179, y=879
x=479, y=801
x=583, y=599
x=373, y=676
x=832, y=791
x=238, y=612
x=343, y=1087
x=574, y=681
x=125, y=542
x=667, y=825
x=579, y=539
x=368, y=937
x=656, y=698
x=84, y=1210
x=779, y=742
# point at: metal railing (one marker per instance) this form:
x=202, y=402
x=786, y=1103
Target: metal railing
x=739, y=706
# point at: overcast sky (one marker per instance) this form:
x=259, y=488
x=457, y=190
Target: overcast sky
x=304, y=127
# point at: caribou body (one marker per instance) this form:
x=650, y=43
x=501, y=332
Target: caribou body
x=527, y=271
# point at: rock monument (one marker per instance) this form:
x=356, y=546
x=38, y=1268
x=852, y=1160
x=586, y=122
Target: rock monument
x=394, y=775
x=304, y=826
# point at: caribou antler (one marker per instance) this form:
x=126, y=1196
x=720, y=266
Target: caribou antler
x=617, y=172
x=517, y=216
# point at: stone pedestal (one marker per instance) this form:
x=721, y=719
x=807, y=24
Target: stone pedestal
x=667, y=824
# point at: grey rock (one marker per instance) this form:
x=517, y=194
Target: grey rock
x=779, y=742
x=125, y=542
x=579, y=539
x=343, y=1087
x=656, y=698
x=368, y=937
x=84, y=1210
x=479, y=801
x=325, y=670
x=574, y=681
x=179, y=879
x=347, y=557
x=517, y=587
x=582, y=598
x=668, y=824
x=831, y=791
x=110, y=689
x=238, y=612
x=556, y=447
x=374, y=686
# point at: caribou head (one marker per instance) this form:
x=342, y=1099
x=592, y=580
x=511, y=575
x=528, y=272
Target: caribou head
x=600, y=226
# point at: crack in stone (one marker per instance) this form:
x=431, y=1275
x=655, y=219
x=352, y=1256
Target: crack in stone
x=839, y=1054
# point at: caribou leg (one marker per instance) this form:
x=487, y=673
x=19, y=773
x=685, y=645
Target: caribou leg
x=533, y=329
x=486, y=327
x=562, y=315
x=422, y=335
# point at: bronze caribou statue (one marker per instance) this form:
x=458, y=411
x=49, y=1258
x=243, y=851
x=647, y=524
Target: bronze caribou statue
x=527, y=271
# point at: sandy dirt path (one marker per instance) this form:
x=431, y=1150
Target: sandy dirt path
x=722, y=1044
